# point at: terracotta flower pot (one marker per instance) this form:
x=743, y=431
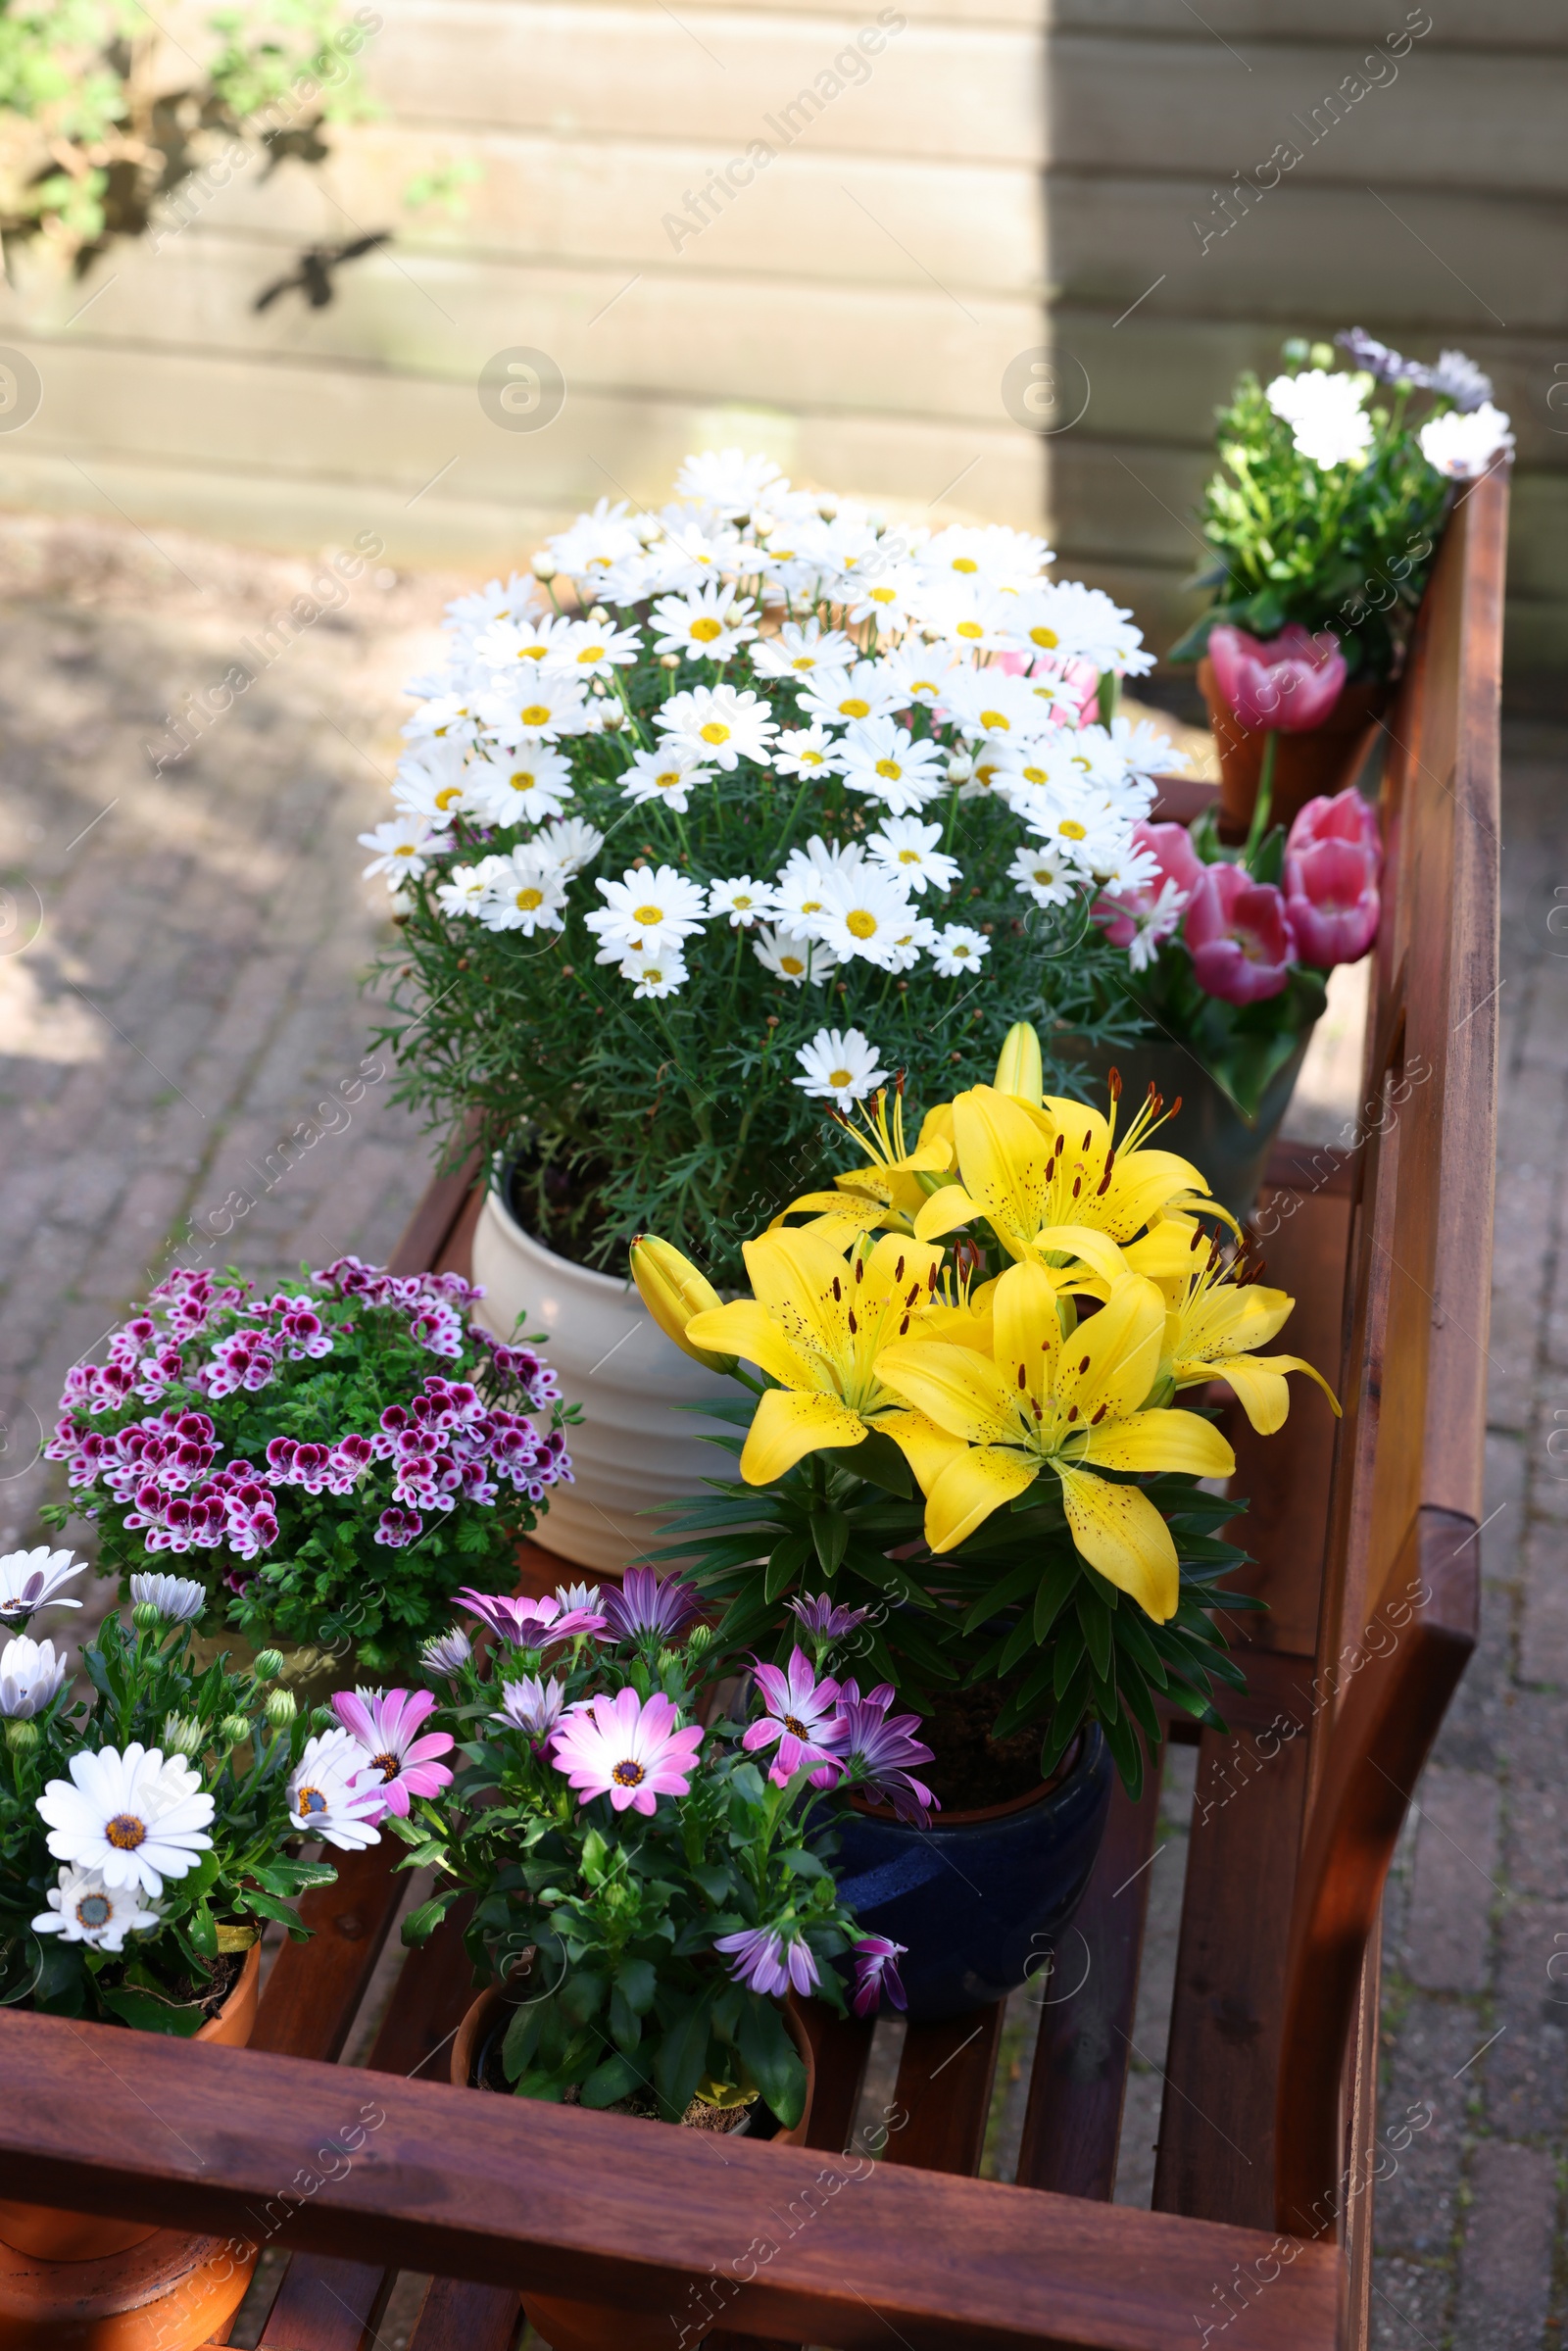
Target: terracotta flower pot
x=572, y=2326
x=77, y=2282
x=1320, y=761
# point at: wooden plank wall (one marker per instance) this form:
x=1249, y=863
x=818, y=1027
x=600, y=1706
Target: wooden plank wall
x=999, y=171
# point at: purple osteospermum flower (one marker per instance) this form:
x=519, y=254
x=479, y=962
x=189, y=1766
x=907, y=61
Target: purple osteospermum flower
x=823, y=1620
x=530, y=1624
x=646, y=1610
x=384, y=1724
x=627, y=1750
x=800, y=1718
x=531, y=1705
x=766, y=1961
x=876, y=1755
x=876, y=1972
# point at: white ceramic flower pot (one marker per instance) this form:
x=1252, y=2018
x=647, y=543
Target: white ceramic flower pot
x=632, y=1452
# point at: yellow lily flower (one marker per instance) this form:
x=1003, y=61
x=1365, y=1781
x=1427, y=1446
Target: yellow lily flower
x=817, y=1324
x=1065, y=1403
x=673, y=1290
x=890, y=1190
x=1212, y=1325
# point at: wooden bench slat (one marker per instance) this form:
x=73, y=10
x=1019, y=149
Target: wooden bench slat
x=316, y=1987
x=516, y=2193
x=458, y=2316
x=1073, y=2121
x=326, y=2304
x=944, y=2088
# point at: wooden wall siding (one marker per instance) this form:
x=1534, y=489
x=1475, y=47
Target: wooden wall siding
x=1433, y=211
x=857, y=303
x=1010, y=169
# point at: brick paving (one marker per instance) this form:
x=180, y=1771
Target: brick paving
x=179, y=957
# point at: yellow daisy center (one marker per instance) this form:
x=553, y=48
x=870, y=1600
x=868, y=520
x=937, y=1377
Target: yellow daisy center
x=1043, y=636
x=592, y=652
x=994, y=722
x=855, y=708
x=883, y=595
x=861, y=925
x=889, y=768
x=713, y=732
x=964, y=563
x=969, y=628
x=705, y=630
x=839, y=1077
x=447, y=795
x=537, y=714
x=1072, y=828
x=792, y=965
x=526, y=900
x=648, y=916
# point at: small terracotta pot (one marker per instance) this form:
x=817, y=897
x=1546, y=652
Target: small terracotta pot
x=570, y=2326
x=79, y=2281
x=1307, y=767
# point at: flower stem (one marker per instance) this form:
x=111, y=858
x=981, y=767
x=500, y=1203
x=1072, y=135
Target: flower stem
x=1264, y=801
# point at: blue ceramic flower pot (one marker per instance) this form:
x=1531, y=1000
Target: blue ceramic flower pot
x=978, y=1897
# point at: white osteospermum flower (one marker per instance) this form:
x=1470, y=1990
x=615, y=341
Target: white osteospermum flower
x=330, y=1793
x=730, y=481
x=463, y=891
x=403, y=845
x=719, y=724
x=798, y=650
x=795, y=956
x=707, y=624
x=1324, y=412
x=526, y=893
x=30, y=1580
x=744, y=901
x=883, y=760
x=908, y=849
x=1457, y=375
x=30, y=1677
x=957, y=948
x=651, y=909
x=1044, y=874
x=134, y=1817
x=1463, y=444
x=1069, y=622
x=179, y=1600
x=865, y=914
x=85, y=1909
x=571, y=843
x=666, y=775
x=837, y=700
x=653, y=971
x=806, y=751
x=840, y=1066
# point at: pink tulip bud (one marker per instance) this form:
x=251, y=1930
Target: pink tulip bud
x=1238, y=936
x=1331, y=894
x=1286, y=685
x=1345, y=817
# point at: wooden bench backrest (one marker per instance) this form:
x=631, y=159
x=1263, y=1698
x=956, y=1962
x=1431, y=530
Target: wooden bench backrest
x=1401, y=1576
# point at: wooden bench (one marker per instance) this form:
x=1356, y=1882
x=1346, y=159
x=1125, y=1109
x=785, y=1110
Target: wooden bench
x=1366, y=1543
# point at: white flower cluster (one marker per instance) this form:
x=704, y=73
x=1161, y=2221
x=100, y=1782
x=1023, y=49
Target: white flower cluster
x=908, y=670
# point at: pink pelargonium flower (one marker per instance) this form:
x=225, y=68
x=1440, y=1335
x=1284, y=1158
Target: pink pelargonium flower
x=1286, y=684
x=626, y=1749
x=1238, y=936
x=799, y=1717
x=385, y=1723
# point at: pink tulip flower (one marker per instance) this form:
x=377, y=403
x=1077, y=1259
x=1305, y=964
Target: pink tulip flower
x=1286, y=685
x=1238, y=936
x=1332, y=862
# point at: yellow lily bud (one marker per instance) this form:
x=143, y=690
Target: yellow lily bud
x=673, y=1290
x=1019, y=1069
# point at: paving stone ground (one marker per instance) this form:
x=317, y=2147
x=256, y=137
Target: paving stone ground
x=180, y=955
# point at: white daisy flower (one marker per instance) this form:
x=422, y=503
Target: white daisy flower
x=989, y=552
x=526, y=893
x=908, y=849
x=990, y=774
x=1153, y=925
x=719, y=724
x=840, y=1066
x=1143, y=749
x=988, y=702
x=331, y=1794
x=806, y=751
x=85, y=1909
x=402, y=847
x=1115, y=860
x=744, y=901
x=595, y=541
x=884, y=761
x=795, y=956
x=179, y=1600
x=798, y=891
x=1044, y=874
x=471, y=615
x=730, y=481
x=840, y=700
x=1463, y=445
x=135, y=1817
x=916, y=672
x=665, y=775
x=543, y=638
x=453, y=717
x=571, y=843
x=653, y=971
x=906, y=943
x=597, y=649
x=522, y=786
x=957, y=948
x=432, y=783
x=30, y=1580
x=1075, y=624
x=651, y=910
x=544, y=705
x=466, y=885
x=707, y=624
x=1324, y=412
x=30, y=1675
x=689, y=552
x=890, y=597
x=802, y=651
x=974, y=615
x=865, y=914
